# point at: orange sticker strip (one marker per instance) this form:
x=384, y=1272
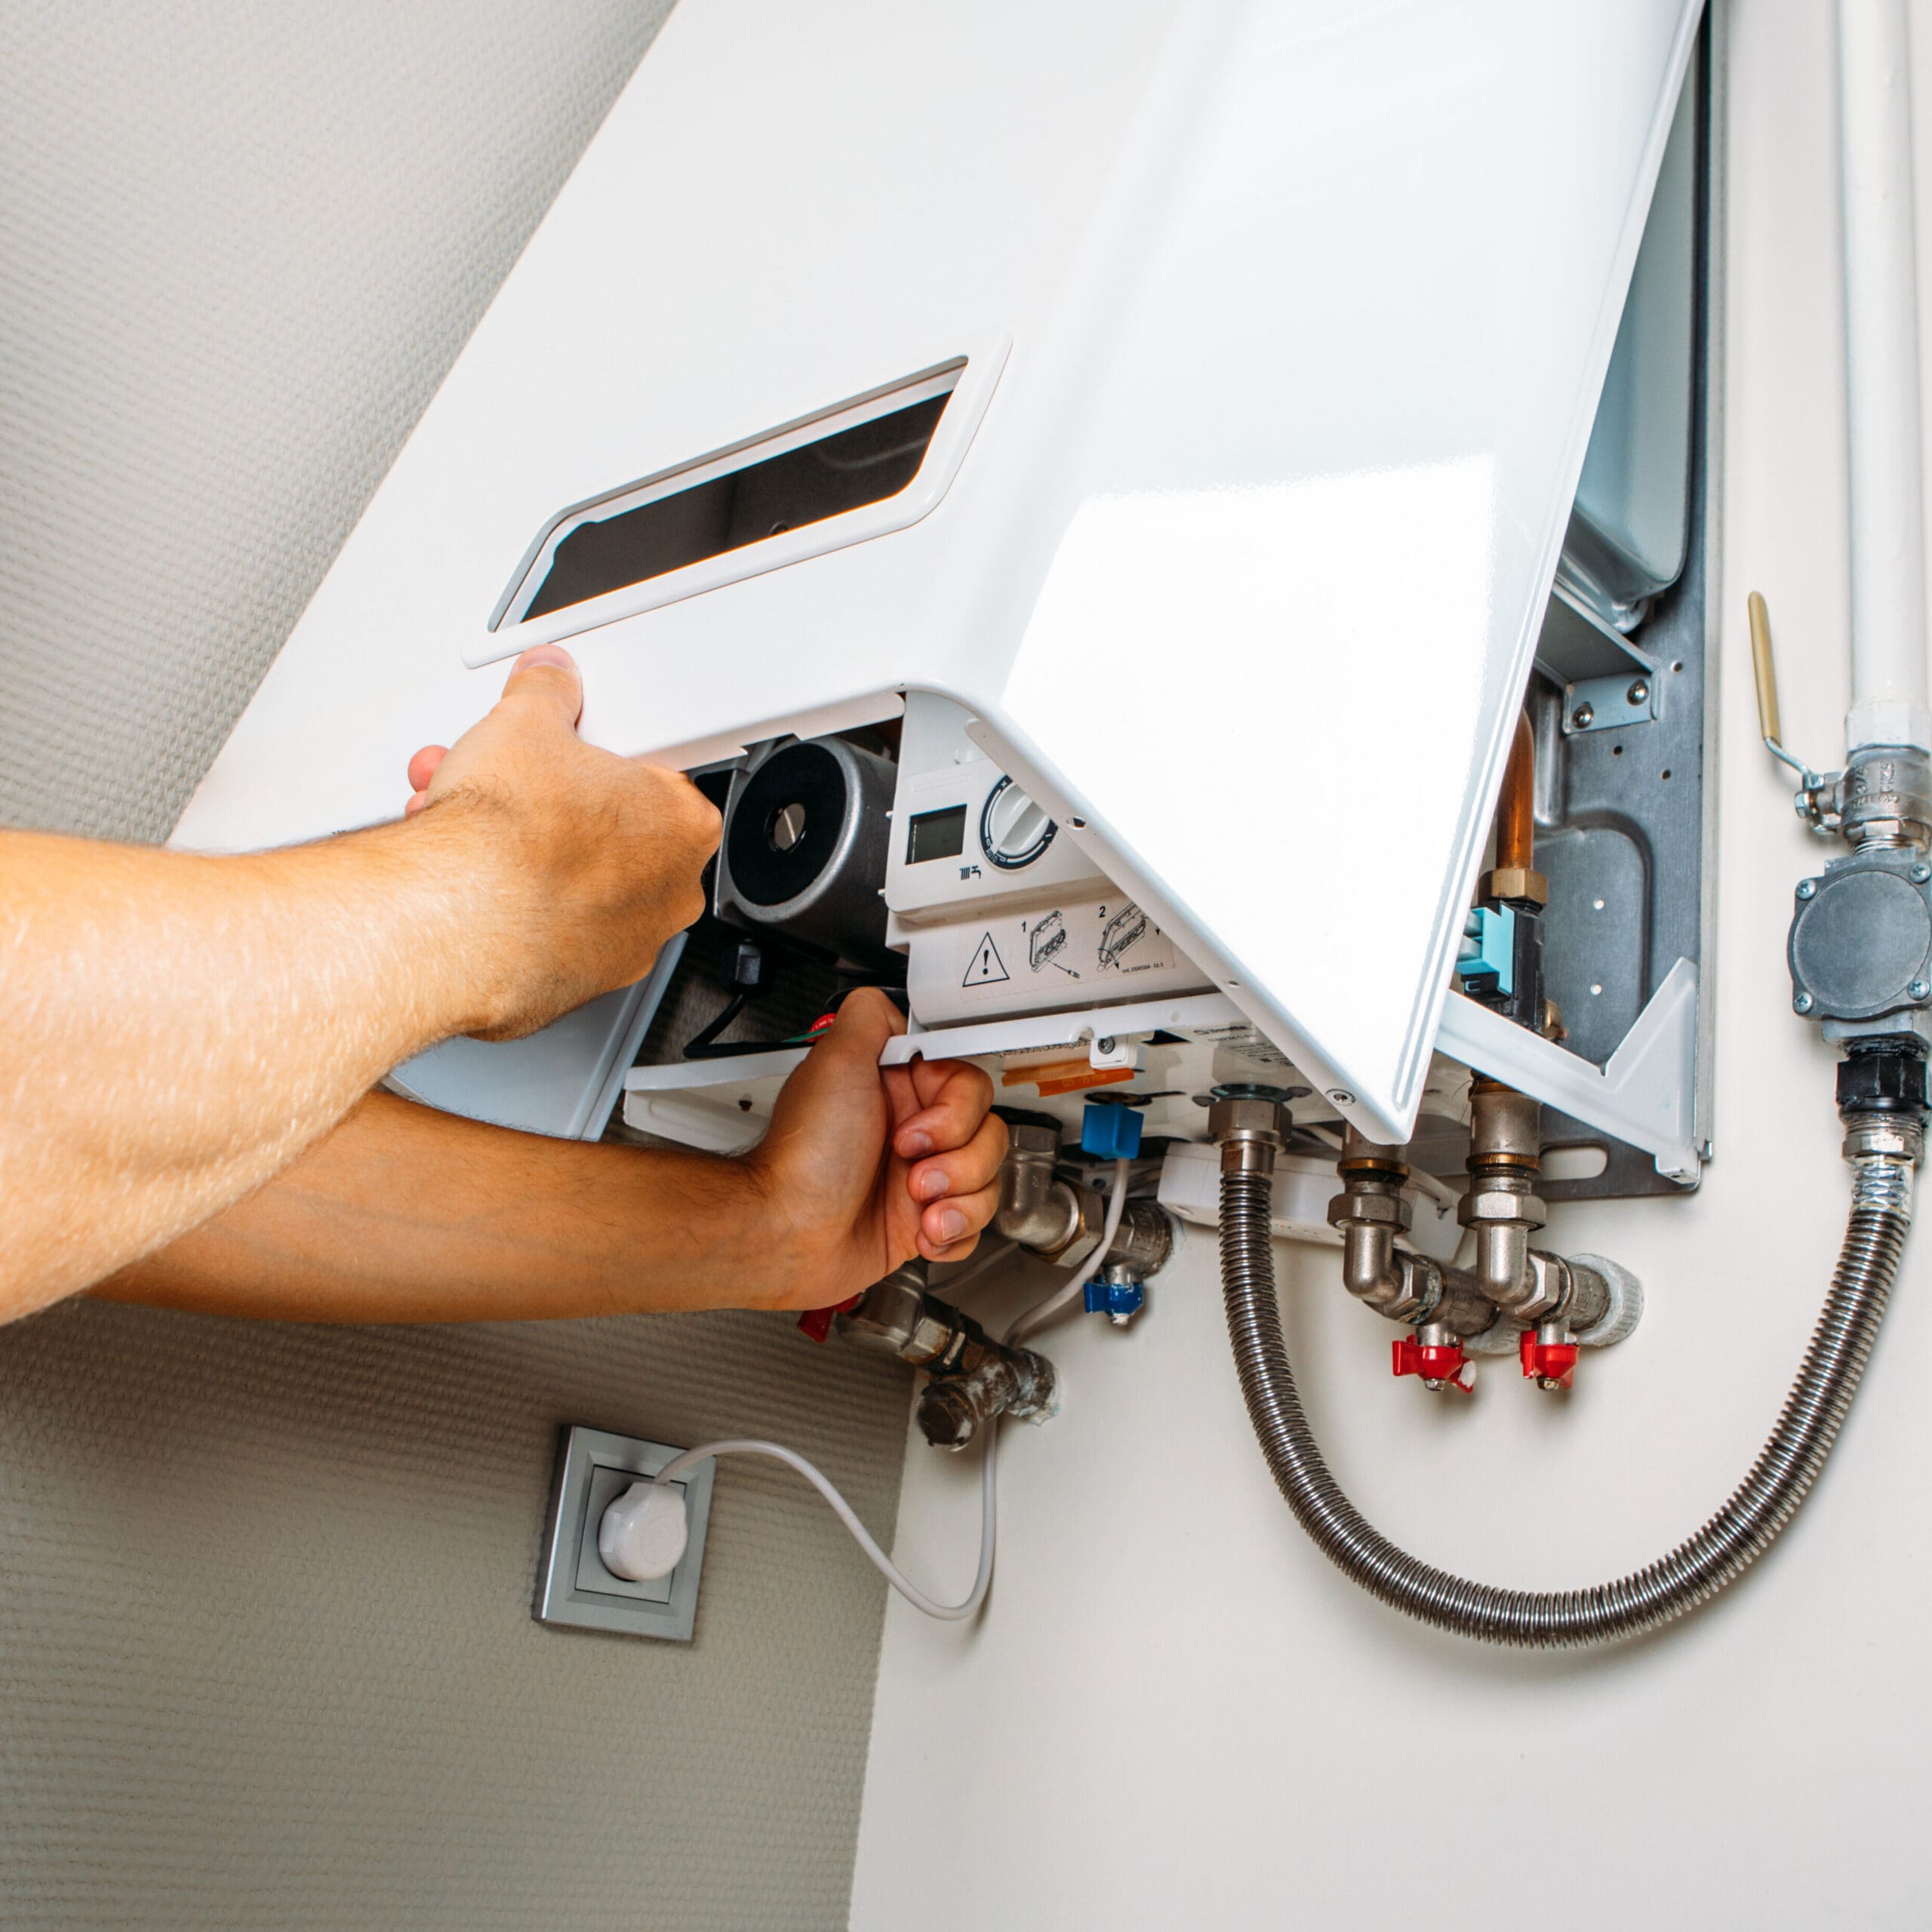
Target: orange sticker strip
x=1065, y=1076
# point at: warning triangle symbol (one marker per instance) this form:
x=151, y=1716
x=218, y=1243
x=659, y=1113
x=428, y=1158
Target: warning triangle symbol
x=985, y=967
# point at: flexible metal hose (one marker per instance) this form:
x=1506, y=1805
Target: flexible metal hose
x=1746, y=1526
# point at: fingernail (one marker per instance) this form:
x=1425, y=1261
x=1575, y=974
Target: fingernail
x=544, y=653
x=915, y=1145
x=951, y=1224
x=930, y=1184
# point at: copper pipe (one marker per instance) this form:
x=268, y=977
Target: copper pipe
x=1515, y=810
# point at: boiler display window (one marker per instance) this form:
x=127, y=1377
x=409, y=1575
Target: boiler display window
x=940, y=834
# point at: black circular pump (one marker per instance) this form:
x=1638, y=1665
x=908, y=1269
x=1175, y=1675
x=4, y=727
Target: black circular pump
x=804, y=847
x=785, y=825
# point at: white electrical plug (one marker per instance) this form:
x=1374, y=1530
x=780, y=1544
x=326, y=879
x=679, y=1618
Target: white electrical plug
x=642, y=1535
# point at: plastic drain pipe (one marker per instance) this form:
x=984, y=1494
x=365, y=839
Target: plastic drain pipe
x=1882, y=1149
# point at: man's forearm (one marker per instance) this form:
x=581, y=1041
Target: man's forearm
x=404, y=1214
x=174, y=1029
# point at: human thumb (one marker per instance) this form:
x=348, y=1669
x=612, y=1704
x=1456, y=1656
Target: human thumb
x=546, y=675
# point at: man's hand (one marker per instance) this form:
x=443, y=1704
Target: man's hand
x=592, y=861
x=866, y=1166
x=174, y=1029
x=404, y=1214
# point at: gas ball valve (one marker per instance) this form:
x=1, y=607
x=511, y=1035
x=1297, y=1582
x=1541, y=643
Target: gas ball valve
x=1549, y=1355
x=1437, y=1357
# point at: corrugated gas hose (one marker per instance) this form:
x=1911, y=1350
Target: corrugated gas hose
x=1746, y=1526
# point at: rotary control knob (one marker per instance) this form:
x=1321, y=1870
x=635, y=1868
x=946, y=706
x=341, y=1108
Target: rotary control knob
x=1013, y=830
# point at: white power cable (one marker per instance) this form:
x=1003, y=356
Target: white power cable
x=994, y=1253
x=947, y=1613
x=1043, y=1312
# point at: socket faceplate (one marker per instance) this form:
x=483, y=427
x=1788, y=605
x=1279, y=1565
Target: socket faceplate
x=574, y=1591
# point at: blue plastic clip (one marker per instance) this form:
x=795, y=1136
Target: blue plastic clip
x=1489, y=947
x=1117, y=1300
x=1109, y=1131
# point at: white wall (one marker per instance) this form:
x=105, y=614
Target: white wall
x=1176, y=1713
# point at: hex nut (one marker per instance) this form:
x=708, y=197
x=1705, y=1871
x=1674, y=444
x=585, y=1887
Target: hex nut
x=1870, y=1137
x=1481, y=1205
x=1365, y=1210
x=1515, y=882
x=1248, y=1120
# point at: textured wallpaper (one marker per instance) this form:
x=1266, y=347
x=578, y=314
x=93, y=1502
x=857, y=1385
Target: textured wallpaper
x=265, y=1655
x=241, y=241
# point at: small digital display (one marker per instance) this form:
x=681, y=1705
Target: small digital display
x=940, y=834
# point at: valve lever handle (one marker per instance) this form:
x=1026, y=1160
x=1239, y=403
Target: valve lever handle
x=1764, y=668
x=1766, y=671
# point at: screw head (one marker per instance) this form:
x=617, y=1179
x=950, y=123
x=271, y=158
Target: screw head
x=1639, y=692
x=1583, y=717
x=1920, y=989
x=1921, y=873
x=1105, y=1043
x=1341, y=1096
x=1807, y=887
x=1802, y=1004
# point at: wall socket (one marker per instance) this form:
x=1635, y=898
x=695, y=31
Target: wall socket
x=574, y=1591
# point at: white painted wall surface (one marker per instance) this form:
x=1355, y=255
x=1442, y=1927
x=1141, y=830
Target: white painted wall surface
x=1176, y=1714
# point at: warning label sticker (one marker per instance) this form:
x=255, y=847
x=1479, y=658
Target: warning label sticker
x=1092, y=950
x=985, y=967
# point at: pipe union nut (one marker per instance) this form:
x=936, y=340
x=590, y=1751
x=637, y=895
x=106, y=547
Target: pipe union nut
x=1264, y=1120
x=1515, y=882
x=1370, y=1210
x=1877, y=1134
x=1487, y=1204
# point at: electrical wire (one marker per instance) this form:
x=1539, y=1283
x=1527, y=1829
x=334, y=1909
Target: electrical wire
x=992, y=1253
x=947, y=1613
x=702, y=1044
x=1042, y=1312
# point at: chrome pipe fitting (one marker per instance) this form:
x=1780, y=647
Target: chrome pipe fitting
x=1371, y=1211
x=973, y=1378
x=1501, y=1206
x=1884, y=797
x=1038, y=1210
x=1250, y=1128
x=1051, y=1216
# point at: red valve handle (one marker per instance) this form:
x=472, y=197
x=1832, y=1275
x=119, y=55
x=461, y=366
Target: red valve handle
x=1442, y=1363
x=815, y=1323
x=1547, y=1361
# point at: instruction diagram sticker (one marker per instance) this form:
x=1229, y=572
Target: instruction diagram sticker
x=985, y=967
x=1045, y=942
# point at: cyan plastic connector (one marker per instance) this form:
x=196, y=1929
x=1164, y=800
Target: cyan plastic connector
x=1489, y=948
x=1117, y=1300
x=1109, y=1131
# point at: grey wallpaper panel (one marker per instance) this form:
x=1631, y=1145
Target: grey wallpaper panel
x=265, y=1651
x=265, y=1658
x=241, y=240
